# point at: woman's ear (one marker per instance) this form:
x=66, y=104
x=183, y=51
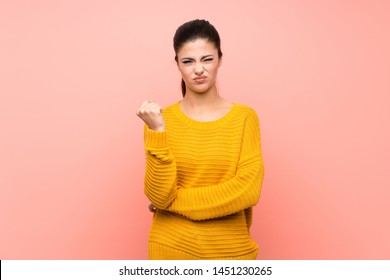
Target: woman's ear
x=219, y=62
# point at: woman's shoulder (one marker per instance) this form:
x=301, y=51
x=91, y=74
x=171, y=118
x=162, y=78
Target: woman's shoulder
x=170, y=108
x=246, y=110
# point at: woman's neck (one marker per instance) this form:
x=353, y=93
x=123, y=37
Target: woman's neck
x=200, y=102
x=204, y=106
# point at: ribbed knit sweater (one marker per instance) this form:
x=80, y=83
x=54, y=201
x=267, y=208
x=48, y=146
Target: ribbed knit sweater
x=204, y=178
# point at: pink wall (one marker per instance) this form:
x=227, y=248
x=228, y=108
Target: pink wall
x=72, y=74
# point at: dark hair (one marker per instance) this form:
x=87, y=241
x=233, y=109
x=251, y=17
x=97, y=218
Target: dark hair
x=192, y=30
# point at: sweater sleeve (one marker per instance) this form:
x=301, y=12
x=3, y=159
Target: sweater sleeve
x=160, y=176
x=228, y=197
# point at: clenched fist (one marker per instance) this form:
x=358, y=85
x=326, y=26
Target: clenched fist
x=151, y=113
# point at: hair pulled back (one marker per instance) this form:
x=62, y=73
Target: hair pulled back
x=192, y=30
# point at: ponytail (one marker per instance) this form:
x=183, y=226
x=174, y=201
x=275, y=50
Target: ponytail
x=183, y=87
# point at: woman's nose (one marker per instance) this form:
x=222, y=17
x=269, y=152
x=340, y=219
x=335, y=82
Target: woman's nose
x=199, y=69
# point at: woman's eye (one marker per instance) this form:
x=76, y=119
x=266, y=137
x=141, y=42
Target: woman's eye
x=187, y=61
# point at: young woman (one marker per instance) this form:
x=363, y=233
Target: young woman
x=204, y=167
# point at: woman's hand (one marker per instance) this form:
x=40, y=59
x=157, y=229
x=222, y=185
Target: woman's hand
x=152, y=208
x=151, y=113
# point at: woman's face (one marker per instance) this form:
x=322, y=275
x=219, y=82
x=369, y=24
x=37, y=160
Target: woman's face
x=198, y=64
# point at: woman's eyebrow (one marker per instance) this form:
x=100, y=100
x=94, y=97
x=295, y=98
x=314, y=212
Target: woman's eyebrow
x=203, y=57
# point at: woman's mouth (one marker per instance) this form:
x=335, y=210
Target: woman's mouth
x=200, y=79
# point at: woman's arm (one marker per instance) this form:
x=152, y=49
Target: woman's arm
x=228, y=197
x=160, y=176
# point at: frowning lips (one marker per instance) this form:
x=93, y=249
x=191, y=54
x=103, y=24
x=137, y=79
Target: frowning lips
x=200, y=79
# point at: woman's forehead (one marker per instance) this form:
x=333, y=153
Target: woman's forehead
x=197, y=47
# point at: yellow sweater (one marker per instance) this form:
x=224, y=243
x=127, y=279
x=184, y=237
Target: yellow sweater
x=204, y=178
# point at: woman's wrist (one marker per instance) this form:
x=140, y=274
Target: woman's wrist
x=157, y=128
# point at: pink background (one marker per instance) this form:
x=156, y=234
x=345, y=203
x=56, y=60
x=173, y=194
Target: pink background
x=73, y=73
